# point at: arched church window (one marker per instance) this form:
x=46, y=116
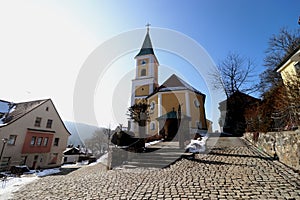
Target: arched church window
x=152, y=126
x=152, y=105
x=143, y=72
x=196, y=103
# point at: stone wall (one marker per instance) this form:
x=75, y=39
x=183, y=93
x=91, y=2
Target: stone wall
x=282, y=145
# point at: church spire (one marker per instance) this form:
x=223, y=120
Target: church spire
x=147, y=45
x=148, y=25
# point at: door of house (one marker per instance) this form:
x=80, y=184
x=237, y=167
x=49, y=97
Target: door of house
x=36, y=157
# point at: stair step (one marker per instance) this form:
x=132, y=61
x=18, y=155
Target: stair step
x=148, y=165
x=154, y=161
x=158, y=156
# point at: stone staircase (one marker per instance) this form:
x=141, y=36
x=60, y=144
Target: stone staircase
x=157, y=156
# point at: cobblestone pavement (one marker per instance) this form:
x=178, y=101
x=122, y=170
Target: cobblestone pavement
x=231, y=170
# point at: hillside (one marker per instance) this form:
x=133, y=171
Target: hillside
x=79, y=132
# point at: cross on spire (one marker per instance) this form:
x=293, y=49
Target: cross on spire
x=148, y=25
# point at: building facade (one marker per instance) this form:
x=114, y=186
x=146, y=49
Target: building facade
x=290, y=66
x=172, y=105
x=232, y=119
x=32, y=134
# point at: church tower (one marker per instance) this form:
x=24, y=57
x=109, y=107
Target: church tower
x=146, y=75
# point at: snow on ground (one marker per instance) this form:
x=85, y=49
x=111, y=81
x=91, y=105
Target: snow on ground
x=47, y=172
x=152, y=143
x=197, y=146
x=102, y=159
x=13, y=184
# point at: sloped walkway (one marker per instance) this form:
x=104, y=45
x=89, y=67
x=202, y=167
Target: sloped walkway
x=230, y=170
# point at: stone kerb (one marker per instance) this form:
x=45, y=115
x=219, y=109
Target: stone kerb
x=284, y=146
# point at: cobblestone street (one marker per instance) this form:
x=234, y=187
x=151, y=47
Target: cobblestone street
x=231, y=170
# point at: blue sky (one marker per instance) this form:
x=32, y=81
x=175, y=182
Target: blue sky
x=44, y=43
x=219, y=26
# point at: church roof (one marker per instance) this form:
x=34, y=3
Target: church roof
x=174, y=83
x=147, y=46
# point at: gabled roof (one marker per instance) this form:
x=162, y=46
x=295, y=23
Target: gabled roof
x=174, y=83
x=245, y=97
x=72, y=151
x=147, y=46
x=20, y=109
x=287, y=58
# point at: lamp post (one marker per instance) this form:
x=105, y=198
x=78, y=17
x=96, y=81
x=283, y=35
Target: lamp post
x=4, y=140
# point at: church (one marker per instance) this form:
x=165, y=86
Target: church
x=174, y=106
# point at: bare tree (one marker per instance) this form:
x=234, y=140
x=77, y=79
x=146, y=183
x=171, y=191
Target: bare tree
x=139, y=113
x=280, y=101
x=97, y=143
x=279, y=46
x=279, y=110
x=235, y=73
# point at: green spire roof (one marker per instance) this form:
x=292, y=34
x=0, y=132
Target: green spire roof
x=147, y=46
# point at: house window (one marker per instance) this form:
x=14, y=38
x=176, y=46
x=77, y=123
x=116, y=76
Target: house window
x=12, y=140
x=56, y=141
x=38, y=121
x=49, y=123
x=39, y=141
x=45, y=143
x=32, y=142
x=143, y=72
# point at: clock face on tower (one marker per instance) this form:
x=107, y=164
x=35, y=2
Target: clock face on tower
x=143, y=62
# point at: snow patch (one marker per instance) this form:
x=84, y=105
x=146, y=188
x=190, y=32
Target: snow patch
x=13, y=184
x=152, y=143
x=197, y=146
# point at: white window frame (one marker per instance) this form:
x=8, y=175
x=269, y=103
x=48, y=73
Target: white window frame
x=12, y=139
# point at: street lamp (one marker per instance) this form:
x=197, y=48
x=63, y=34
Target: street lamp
x=4, y=140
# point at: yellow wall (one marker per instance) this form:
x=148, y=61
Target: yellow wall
x=153, y=115
x=171, y=100
x=288, y=72
x=197, y=113
x=142, y=90
x=143, y=66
